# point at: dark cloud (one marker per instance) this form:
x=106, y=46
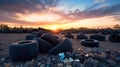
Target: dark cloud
x=9, y=8
x=92, y=12
x=23, y=6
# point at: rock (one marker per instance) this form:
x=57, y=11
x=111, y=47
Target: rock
x=67, y=54
x=60, y=65
x=7, y=64
x=117, y=59
x=68, y=66
x=55, y=61
x=102, y=64
x=76, y=63
x=111, y=63
x=75, y=55
x=67, y=61
x=90, y=63
x=42, y=65
x=82, y=59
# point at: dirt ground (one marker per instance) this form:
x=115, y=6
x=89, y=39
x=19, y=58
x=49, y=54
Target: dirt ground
x=7, y=39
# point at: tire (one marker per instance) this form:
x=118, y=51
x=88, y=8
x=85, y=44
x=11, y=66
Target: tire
x=50, y=38
x=44, y=46
x=69, y=35
x=30, y=37
x=81, y=36
x=64, y=46
x=38, y=34
x=90, y=43
x=23, y=50
x=114, y=38
x=98, y=37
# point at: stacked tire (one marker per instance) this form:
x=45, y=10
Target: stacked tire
x=46, y=43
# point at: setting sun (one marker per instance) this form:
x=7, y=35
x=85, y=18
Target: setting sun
x=54, y=28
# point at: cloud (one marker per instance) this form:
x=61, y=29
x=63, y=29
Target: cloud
x=99, y=1
x=92, y=12
x=10, y=8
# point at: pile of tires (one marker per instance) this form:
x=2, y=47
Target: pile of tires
x=90, y=43
x=98, y=37
x=114, y=38
x=81, y=36
x=69, y=35
x=23, y=50
x=45, y=43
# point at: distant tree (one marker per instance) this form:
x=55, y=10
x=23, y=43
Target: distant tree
x=117, y=26
x=4, y=28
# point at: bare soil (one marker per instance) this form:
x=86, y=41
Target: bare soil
x=9, y=38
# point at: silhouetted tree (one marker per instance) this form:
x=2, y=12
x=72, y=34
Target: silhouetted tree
x=117, y=26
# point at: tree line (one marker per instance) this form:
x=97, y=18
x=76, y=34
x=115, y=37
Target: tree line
x=6, y=29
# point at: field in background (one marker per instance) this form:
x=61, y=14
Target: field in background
x=7, y=39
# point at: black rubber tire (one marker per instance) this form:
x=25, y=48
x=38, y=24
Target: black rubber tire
x=30, y=37
x=44, y=46
x=23, y=50
x=69, y=35
x=64, y=46
x=114, y=38
x=90, y=43
x=98, y=37
x=50, y=38
x=38, y=34
x=81, y=36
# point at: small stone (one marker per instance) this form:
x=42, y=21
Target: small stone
x=42, y=65
x=67, y=54
x=60, y=65
x=7, y=64
x=39, y=64
x=70, y=60
x=90, y=63
x=86, y=55
x=111, y=63
x=66, y=60
x=102, y=64
x=54, y=61
x=117, y=59
x=68, y=66
x=82, y=59
x=76, y=63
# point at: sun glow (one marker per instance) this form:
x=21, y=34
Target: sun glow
x=54, y=28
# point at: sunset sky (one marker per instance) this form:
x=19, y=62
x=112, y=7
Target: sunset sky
x=60, y=14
